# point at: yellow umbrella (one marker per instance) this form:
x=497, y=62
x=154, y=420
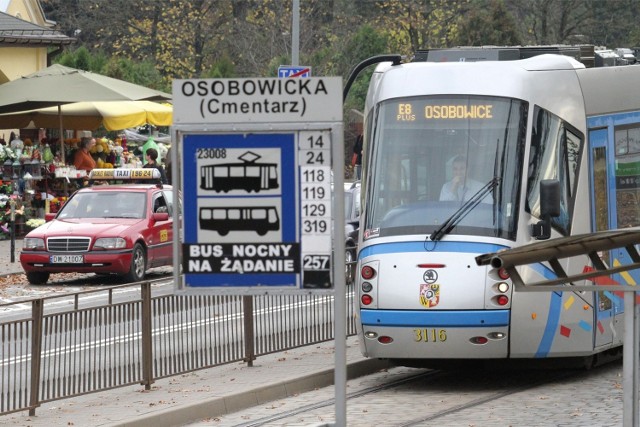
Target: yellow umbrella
x=113, y=115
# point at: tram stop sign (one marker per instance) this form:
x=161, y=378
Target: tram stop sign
x=255, y=162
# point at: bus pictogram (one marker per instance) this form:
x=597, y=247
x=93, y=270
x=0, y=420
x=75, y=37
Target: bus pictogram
x=246, y=175
x=260, y=219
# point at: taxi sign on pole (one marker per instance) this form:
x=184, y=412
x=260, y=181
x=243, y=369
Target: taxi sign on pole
x=286, y=71
x=256, y=163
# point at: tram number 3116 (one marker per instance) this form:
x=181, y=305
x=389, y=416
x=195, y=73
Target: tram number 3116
x=430, y=335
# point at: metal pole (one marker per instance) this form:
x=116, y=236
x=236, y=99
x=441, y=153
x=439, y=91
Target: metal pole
x=12, y=229
x=636, y=357
x=249, y=334
x=295, y=33
x=146, y=336
x=62, y=154
x=340, y=372
x=630, y=361
x=37, y=310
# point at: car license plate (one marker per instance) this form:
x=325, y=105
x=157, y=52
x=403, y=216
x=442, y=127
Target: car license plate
x=67, y=259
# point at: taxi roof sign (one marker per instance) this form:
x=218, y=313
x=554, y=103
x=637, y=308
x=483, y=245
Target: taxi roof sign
x=125, y=174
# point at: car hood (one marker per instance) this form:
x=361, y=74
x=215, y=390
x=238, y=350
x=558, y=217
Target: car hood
x=98, y=227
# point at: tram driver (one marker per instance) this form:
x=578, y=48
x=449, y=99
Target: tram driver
x=460, y=187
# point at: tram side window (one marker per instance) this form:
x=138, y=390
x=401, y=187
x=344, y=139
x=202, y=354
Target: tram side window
x=555, y=153
x=627, y=194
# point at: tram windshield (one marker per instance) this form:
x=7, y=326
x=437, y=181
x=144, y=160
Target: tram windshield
x=430, y=155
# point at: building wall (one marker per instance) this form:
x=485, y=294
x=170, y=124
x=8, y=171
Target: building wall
x=16, y=62
x=27, y=10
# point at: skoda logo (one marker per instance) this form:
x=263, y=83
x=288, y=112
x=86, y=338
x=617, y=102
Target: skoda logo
x=430, y=276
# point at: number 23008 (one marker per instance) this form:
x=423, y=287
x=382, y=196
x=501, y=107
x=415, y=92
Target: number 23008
x=430, y=335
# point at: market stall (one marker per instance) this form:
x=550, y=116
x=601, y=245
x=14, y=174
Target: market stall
x=33, y=168
x=34, y=176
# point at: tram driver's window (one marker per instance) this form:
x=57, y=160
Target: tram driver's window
x=555, y=153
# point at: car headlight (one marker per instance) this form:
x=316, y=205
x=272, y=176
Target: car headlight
x=33, y=244
x=110, y=243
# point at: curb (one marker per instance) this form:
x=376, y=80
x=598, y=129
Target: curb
x=210, y=408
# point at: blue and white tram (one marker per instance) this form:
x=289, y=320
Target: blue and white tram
x=509, y=126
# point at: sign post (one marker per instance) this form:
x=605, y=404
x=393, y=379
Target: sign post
x=259, y=164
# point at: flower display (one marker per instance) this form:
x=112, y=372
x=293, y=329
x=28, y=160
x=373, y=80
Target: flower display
x=34, y=222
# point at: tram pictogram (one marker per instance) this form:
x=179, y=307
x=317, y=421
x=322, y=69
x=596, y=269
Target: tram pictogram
x=247, y=175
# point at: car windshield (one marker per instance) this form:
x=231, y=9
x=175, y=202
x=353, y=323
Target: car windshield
x=348, y=200
x=105, y=204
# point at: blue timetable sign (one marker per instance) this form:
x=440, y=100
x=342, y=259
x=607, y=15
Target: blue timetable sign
x=257, y=210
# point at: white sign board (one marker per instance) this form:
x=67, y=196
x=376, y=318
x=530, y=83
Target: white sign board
x=260, y=206
x=259, y=100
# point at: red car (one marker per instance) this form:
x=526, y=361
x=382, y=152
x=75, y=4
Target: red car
x=105, y=229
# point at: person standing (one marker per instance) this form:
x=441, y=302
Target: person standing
x=151, y=157
x=82, y=159
x=149, y=144
x=356, y=160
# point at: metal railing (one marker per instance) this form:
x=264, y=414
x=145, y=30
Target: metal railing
x=108, y=338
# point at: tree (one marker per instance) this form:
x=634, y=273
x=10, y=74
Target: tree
x=143, y=73
x=413, y=24
x=545, y=22
x=486, y=24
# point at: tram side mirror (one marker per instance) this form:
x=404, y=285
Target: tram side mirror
x=549, y=208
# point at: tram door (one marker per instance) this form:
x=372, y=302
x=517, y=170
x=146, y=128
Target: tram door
x=607, y=304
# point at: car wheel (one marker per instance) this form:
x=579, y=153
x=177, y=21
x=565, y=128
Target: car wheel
x=37, y=277
x=138, y=264
x=349, y=267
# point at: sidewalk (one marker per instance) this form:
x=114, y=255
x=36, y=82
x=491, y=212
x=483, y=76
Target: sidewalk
x=6, y=266
x=203, y=394
x=194, y=396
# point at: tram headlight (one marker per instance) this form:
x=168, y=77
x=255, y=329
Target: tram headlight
x=503, y=287
x=496, y=335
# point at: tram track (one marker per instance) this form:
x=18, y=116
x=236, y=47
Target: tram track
x=435, y=417
x=454, y=392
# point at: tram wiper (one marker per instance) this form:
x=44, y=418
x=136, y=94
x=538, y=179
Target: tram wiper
x=467, y=207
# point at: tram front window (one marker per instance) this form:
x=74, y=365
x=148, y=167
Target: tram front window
x=429, y=155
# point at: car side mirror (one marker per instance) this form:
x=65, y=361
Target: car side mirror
x=549, y=208
x=49, y=216
x=160, y=216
